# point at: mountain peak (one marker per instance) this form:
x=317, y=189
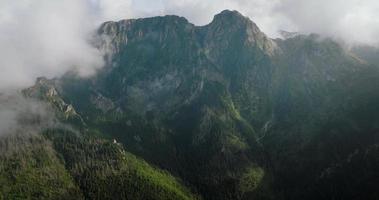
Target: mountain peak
x=232, y=19
x=229, y=15
x=232, y=24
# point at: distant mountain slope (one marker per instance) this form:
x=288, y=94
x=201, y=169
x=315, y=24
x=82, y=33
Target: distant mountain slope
x=370, y=54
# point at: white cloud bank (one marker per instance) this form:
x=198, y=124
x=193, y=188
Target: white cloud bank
x=44, y=38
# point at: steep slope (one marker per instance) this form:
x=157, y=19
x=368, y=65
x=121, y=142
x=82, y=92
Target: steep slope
x=322, y=104
x=232, y=112
x=31, y=169
x=170, y=92
x=64, y=165
x=103, y=170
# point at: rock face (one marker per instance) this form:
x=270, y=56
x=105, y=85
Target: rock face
x=234, y=113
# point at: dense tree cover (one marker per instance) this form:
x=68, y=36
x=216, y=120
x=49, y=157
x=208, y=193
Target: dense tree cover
x=64, y=165
x=104, y=170
x=31, y=169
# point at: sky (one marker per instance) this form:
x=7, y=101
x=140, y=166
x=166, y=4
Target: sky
x=50, y=37
x=355, y=21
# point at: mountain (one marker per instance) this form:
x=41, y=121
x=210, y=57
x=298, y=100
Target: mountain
x=230, y=112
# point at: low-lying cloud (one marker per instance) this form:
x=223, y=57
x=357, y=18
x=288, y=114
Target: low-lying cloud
x=19, y=115
x=45, y=38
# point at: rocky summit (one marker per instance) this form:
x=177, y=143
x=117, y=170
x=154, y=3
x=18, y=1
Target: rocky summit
x=219, y=112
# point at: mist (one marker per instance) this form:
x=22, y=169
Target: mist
x=45, y=38
x=41, y=38
x=353, y=21
x=19, y=115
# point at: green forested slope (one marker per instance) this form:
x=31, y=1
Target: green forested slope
x=64, y=165
x=31, y=169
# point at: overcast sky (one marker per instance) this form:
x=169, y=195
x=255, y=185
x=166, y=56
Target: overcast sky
x=352, y=20
x=49, y=37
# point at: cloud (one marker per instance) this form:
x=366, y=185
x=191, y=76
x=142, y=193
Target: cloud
x=45, y=38
x=107, y=10
x=354, y=21
x=49, y=37
x=19, y=115
x=202, y=12
x=199, y=12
